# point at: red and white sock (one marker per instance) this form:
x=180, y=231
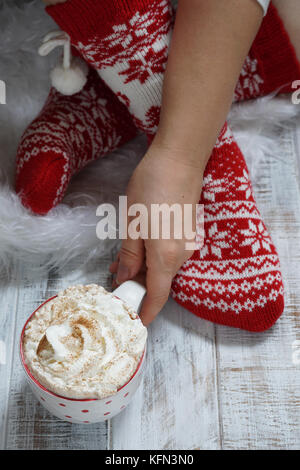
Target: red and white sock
x=70, y=132
x=271, y=65
x=127, y=42
x=235, y=278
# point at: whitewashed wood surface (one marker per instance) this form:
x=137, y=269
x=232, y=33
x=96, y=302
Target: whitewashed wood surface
x=205, y=386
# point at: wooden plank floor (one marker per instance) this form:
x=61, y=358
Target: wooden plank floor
x=205, y=386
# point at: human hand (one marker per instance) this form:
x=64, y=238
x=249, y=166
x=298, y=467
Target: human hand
x=164, y=176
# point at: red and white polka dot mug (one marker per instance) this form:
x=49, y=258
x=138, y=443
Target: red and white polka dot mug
x=90, y=410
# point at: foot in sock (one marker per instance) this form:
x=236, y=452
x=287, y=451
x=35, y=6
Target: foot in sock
x=70, y=132
x=127, y=42
x=235, y=278
x=272, y=64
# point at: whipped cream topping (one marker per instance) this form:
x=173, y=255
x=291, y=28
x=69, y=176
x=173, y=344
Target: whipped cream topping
x=85, y=343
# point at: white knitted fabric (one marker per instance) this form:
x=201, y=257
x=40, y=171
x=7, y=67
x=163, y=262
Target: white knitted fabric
x=264, y=4
x=135, y=72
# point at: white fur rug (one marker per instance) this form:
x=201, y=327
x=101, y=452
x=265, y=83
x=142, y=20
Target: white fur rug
x=69, y=230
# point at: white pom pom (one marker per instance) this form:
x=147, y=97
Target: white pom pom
x=69, y=81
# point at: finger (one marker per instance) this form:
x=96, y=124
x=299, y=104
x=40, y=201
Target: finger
x=114, y=267
x=131, y=259
x=140, y=277
x=114, y=283
x=158, y=284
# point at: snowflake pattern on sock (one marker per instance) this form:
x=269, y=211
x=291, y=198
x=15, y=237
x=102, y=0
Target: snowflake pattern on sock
x=235, y=278
x=70, y=132
x=272, y=64
x=130, y=55
x=250, y=83
x=132, y=60
x=127, y=42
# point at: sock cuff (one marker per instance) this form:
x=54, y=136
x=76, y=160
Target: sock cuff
x=84, y=19
x=275, y=54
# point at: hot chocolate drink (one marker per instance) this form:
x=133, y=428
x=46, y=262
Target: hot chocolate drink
x=84, y=343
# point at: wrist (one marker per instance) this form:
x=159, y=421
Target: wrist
x=181, y=150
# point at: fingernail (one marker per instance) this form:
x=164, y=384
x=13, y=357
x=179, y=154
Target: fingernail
x=123, y=274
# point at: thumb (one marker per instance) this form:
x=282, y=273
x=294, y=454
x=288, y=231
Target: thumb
x=131, y=259
x=158, y=284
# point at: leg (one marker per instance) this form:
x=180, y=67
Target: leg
x=289, y=12
x=235, y=278
x=272, y=63
x=69, y=132
x=127, y=41
x=129, y=45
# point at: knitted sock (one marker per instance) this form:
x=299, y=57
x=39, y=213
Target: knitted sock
x=235, y=278
x=272, y=64
x=127, y=41
x=69, y=132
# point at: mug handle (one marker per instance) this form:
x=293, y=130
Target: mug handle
x=132, y=293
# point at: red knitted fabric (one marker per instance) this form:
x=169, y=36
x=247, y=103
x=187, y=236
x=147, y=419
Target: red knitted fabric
x=69, y=132
x=272, y=64
x=127, y=42
x=235, y=278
